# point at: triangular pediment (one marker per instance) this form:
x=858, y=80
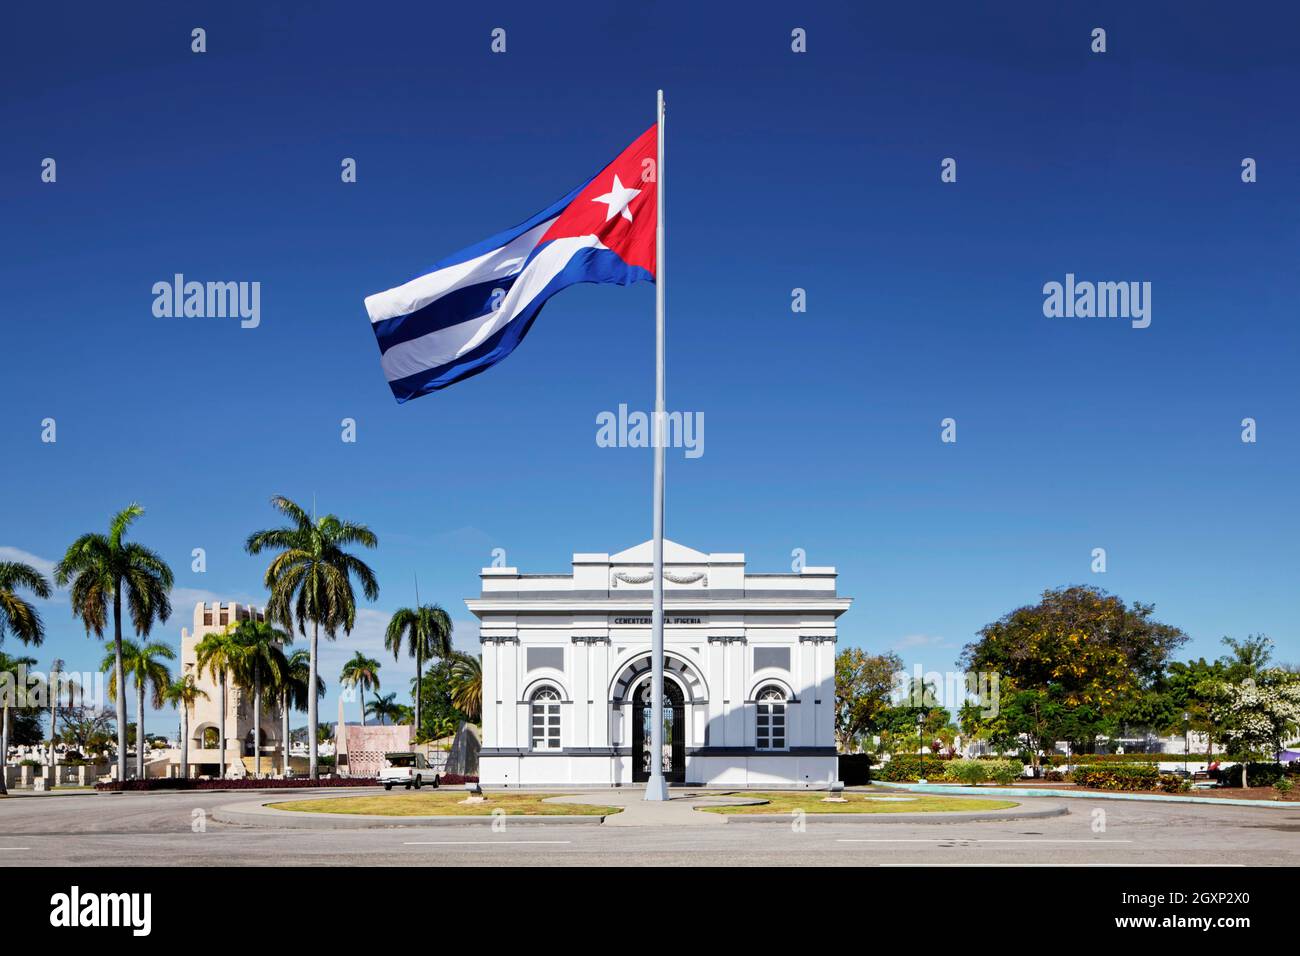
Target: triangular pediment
x=674, y=553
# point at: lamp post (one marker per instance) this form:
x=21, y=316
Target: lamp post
x=1187, y=733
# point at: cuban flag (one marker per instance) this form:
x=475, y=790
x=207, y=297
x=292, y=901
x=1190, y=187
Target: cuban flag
x=472, y=309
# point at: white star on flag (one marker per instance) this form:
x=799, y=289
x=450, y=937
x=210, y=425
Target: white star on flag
x=617, y=199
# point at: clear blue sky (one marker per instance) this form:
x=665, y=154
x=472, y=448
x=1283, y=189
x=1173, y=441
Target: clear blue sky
x=818, y=171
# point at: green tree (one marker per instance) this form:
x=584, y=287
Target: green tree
x=1255, y=715
x=310, y=580
x=220, y=656
x=425, y=631
x=10, y=668
x=17, y=616
x=104, y=570
x=384, y=709
x=183, y=694
x=143, y=663
x=437, y=702
x=1074, y=663
x=293, y=696
x=467, y=685
x=261, y=666
x=362, y=673
x=863, y=683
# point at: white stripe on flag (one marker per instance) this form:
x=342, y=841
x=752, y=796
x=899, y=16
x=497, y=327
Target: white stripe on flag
x=419, y=292
x=446, y=345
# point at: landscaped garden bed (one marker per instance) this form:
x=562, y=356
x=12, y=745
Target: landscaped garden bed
x=856, y=802
x=446, y=803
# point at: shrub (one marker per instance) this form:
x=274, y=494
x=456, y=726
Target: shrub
x=1006, y=772
x=1257, y=774
x=1053, y=776
x=1173, y=783
x=1117, y=777
x=453, y=780
x=909, y=767
x=971, y=772
x=1283, y=785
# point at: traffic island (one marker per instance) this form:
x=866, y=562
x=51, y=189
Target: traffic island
x=433, y=808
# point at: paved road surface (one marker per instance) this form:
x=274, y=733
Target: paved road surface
x=157, y=829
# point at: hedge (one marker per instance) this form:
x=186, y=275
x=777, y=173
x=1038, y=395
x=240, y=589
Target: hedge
x=1056, y=760
x=1257, y=774
x=975, y=772
x=248, y=783
x=909, y=767
x=1129, y=777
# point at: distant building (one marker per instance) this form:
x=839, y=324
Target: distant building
x=749, y=679
x=205, y=718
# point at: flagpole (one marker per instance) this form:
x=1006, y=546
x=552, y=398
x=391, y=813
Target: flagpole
x=657, y=786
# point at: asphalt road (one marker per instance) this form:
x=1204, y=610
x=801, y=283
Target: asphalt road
x=160, y=829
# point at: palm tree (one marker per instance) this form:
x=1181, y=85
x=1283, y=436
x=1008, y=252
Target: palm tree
x=17, y=616
x=293, y=693
x=143, y=664
x=183, y=694
x=467, y=685
x=263, y=664
x=9, y=665
x=310, y=579
x=384, y=709
x=362, y=673
x=220, y=656
x=104, y=569
x=426, y=631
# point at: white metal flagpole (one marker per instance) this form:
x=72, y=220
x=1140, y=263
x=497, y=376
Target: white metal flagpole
x=657, y=786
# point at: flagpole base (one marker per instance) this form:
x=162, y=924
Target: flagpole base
x=656, y=788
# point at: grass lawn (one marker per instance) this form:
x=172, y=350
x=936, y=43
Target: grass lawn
x=445, y=803
x=811, y=802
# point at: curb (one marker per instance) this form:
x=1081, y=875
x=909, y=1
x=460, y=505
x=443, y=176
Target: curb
x=978, y=816
x=1080, y=795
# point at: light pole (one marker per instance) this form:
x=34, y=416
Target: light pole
x=1187, y=732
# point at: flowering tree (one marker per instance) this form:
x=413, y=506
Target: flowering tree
x=1255, y=715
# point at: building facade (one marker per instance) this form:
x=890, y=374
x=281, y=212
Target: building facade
x=205, y=718
x=749, y=680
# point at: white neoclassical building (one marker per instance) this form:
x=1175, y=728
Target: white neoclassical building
x=749, y=672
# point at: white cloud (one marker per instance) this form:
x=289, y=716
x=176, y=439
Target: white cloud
x=42, y=565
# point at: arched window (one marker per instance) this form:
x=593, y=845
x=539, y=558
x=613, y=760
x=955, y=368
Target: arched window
x=546, y=719
x=771, y=719
x=210, y=738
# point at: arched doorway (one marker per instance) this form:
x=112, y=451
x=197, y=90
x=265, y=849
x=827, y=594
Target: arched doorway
x=674, y=752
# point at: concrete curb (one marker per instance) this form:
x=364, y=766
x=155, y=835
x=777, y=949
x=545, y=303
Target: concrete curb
x=1080, y=795
x=257, y=813
x=961, y=816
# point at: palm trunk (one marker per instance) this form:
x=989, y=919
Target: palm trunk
x=54, y=726
x=221, y=731
x=139, y=729
x=284, y=731
x=120, y=677
x=361, y=692
x=185, y=739
x=313, y=768
x=419, y=662
x=257, y=722
x=4, y=747
x=1244, y=785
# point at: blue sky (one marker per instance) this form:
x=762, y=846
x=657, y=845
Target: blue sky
x=818, y=171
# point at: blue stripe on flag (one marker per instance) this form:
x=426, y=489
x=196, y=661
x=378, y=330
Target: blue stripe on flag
x=458, y=305
x=587, y=265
